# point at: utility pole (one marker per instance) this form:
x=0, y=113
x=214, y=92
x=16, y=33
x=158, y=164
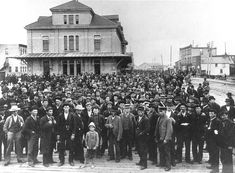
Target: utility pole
x=170, y=56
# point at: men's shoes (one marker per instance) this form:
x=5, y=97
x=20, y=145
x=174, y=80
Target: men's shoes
x=20, y=161
x=173, y=164
x=53, y=162
x=46, y=165
x=143, y=167
x=117, y=160
x=6, y=163
x=210, y=167
x=36, y=162
x=60, y=164
x=31, y=165
x=109, y=159
x=71, y=164
x=167, y=169
x=130, y=158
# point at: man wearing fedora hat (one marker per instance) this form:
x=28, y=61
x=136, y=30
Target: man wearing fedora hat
x=12, y=127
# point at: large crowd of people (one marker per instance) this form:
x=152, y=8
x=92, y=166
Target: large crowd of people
x=157, y=114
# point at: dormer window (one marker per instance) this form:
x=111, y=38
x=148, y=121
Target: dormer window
x=65, y=19
x=71, y=19
x=77, y=19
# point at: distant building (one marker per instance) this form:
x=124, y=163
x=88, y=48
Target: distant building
x=149, y=66
x=9, y=65
x=218, y=65
x=190, y=57
x=76, y=40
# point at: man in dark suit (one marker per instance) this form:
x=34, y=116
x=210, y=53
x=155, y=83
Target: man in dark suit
x=229, y=109
x=212, y=135
x=31, y=131
x=183, y=124
x=213, y=105
x=3, y=139
x=66, y=134
x=86, y=115
x=128, y=132
x=114, y=126
x=142, y=136
x=47, y=124
x=163, y=136
x=200, y=122
x=78, y=150
x=226, y=143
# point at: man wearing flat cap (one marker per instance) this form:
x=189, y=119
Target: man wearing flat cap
x=31, y=131
x=183, y=125
x=128, y=124
x=12, y=128
x=229, y=95
x=66, y=134
x=213, y=105
x=142, y=136
x=163, y=136
x=99, y=122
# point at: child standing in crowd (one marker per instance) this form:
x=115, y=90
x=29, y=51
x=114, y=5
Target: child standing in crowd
x=92, y=142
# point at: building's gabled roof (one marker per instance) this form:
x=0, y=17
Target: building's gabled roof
x=73, y=5
x=114, y=18
x=96, y=22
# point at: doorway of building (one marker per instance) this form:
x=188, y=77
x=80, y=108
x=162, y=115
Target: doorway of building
x=97, y=66
x=79, y=69
x=46, y=68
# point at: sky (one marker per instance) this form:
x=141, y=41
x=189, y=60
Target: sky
x=151, y=27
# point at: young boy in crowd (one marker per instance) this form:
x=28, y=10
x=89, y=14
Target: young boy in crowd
x=92, y=142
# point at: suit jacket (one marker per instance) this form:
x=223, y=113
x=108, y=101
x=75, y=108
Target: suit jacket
x=64, y=131
x=131, y=120
x=117, y=127
x=231, y=112
x=47, y=131
x=78, y=125
x=30, y=126
x=142, y=127
x=86, y=120
x=164, y=129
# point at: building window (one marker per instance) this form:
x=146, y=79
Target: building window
x=77, y=42
x=65, y=19
x=97, y=42
x=77, y=19
x=70, y=19
x=45, y=43
x=6, y=51
x=10, y=69
x=16, y=69
x=216, y=65
x=21, y=69
x=221, y=70
x=71, y=42
x=65, y=43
